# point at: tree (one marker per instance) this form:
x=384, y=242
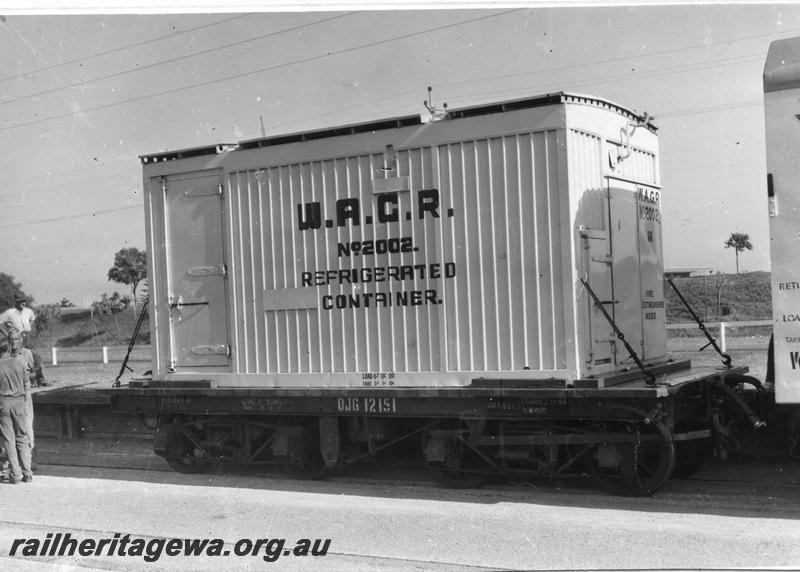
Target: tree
x=130, y=268
x=45, y=314
x=740, y=242
x=8, y=289
x=111, y=306
x=64, y=303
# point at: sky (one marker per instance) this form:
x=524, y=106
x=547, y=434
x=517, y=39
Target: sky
x=82, y=96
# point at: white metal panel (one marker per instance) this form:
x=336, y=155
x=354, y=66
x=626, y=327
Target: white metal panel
x=627, y=308
x=586, y=180
x=597, y=341
x=499, y=195
x=640, y=166
x=588, y=192
x=195, y=285
x=508, y=310
x=322, y=337
x=639, y=148
x=610, y=157
x=156, y=275
x=495, y=240
x=651, y=269
x=188, y=298
x=783, y=142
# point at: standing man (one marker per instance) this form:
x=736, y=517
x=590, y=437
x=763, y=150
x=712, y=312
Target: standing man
x=13, y=423
x=21, y=318
x=16, y=349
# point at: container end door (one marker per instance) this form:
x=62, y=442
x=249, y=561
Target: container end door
x=597, y=268
x=638, y=268
x=651, y=265
x=626, y=268
x=196, y=271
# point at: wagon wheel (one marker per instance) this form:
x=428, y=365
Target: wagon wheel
x=306, y=469
x=644, y=464
x=306, y=462
x=690, y=456
x=181, y=454
x=462, y=467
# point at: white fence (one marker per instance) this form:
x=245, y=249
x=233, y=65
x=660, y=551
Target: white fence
x=729, y=335
x=102, y=354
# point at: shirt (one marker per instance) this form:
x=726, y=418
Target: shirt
x=12, y=377
x=26, y=357
x=21, y=320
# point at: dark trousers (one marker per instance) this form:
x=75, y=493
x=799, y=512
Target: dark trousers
x=14, y=435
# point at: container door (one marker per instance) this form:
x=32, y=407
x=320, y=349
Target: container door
x=597, y=268
x=654, y=315
x=196, y=271
x=626, y=268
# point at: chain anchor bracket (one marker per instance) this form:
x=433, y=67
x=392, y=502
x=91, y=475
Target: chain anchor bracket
x=726, y=359
x=650, y=379
x=131, y=344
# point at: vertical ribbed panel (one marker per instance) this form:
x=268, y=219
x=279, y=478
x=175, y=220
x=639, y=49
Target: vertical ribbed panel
x=506, y=312
x=640, y=166
x=503, y=310
x=586, y=179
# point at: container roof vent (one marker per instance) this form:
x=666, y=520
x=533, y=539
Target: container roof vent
x=186, y=153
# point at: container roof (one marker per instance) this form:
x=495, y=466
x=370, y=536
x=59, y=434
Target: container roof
x=397, y=122
x=782, y=68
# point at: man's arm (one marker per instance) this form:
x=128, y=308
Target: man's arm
x=30, y=364
x=5, y=323
x=31, y=318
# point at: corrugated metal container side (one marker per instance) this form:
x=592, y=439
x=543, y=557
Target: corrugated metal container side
x=498, y=252
x=415, y=256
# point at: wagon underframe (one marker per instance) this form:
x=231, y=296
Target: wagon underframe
x=631, y=436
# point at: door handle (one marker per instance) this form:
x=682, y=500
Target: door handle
x=179, y=303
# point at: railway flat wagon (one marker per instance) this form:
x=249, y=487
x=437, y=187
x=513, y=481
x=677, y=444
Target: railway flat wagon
x=485, y=285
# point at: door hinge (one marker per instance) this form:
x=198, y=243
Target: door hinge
x=219, y=270
x=221, y=190
x=215, y=350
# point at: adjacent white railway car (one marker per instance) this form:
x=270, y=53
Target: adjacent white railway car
x=782, y=113
x=410, y=254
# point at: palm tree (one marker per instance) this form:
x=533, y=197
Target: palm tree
x=739, y=241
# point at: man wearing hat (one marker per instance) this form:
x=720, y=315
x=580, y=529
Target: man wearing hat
x=21, y=318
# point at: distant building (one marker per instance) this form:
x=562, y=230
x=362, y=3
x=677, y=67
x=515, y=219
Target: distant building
x=687, y=272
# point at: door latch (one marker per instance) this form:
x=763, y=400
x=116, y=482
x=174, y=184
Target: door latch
x=177, y=303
